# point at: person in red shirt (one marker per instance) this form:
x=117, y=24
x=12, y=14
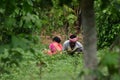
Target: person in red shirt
x=55, y=46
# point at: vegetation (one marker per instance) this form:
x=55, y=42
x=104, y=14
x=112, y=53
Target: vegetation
x=107, y=21
x=22, y=22
x=35, y=65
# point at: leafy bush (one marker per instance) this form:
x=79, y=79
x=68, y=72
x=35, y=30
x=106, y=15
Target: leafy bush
x=107, y=22
x=34, y=64
x=108, y=66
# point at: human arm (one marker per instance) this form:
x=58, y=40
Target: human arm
x=52, y=48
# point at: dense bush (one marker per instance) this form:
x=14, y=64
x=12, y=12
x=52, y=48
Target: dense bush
x=107, y=21
x=34, y=64
x=17, y=18
x=17, y=64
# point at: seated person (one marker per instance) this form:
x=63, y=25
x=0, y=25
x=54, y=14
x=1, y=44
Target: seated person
x=55, y=46
x=72, y=45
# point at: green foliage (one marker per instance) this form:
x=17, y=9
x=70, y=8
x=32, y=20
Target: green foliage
x=104, y=4
x=33, y=16
x=34, y=64
x=56, y=16
x=17, y=17
x=108, y=66
x=21, y=23
x=22, y=56
x=107, y=21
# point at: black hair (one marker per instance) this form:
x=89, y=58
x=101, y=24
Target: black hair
x=57, y=39
x=72, y=36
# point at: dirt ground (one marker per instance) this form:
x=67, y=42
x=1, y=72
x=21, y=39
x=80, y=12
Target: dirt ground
x=46, y=39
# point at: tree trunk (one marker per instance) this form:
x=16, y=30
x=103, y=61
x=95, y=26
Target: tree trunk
x=79, y=20
x=66, y=29
x=89, y=37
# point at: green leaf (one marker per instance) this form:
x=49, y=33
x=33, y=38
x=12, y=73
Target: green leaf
x=30, y=2
x=68, y=9
x=71, y=18
x=9, y=22
x=110, y=59
x=3, y=47
x=38, y=23
x=27, y=7
x=17, y=10
x=2, y=10
x=20, y=42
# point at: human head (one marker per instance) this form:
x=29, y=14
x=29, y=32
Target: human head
x=73, y=38
x=56, y=39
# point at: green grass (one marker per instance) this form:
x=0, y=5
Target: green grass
x=35, y=65
x=64, y=69
x=56, y=67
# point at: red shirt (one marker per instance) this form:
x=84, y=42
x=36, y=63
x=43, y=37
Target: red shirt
x=54, y=48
